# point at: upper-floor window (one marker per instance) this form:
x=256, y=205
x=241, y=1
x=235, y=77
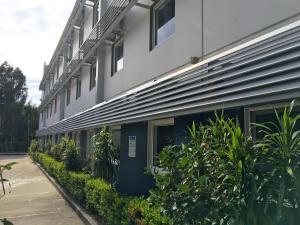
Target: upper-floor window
x=69, y=52
x=81, y=33
x=163, y=21
x=95, y=13
x=57, y=70
x=55, y=105
x=117, y=56
x=78, y=88
x=50, y=110
x=93, y=73
x=68, y=95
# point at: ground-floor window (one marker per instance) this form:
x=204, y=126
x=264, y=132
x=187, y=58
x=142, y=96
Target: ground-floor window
x=263, y=114
x=161, y=134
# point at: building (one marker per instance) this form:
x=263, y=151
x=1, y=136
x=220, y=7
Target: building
x=147, y=69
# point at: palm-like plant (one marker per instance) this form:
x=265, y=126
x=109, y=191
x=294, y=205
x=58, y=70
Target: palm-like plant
x=104, y=155
x=281, y=190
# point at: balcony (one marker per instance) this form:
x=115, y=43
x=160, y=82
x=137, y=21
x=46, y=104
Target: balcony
x=103, y=29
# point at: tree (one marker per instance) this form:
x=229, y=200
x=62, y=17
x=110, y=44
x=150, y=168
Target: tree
x=12, y=85
x=18, y=121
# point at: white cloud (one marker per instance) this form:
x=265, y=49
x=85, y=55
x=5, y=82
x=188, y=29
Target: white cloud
x=29, y=33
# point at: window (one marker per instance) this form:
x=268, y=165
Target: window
x=81, y=33
x=50, y=110
x=117, y=57
x=95, y=13
x=68, y=95
x=57, y=70
x=78, y=88
x=55, y=105
x=70, y=51
x=163, y=21
x=93, y=73
x=262, y=114
x=161, y=134
x=47, y=112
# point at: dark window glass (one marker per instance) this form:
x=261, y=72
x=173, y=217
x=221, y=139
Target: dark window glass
x=68, y=96
x=95, y=13
x=93, y=73
x=118, y=57
x=55, y=105
x=164, y=21
x=163, y=136
x=81, y=34
x=78, y=88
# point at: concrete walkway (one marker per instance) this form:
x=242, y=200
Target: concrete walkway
x=33, y=199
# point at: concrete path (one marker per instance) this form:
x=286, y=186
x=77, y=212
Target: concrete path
x=33, y=199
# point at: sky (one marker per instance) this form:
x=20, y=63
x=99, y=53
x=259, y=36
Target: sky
x=29, y=33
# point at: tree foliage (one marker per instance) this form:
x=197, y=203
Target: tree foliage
x=18, y=120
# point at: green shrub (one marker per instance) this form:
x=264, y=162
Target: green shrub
x=71, y=156
x=75, y=184
x=209, y=178
x=140, y=212
x=100, y=198
x=104, y=155
x=103, y=200
x=34, y=147
x=57, y=152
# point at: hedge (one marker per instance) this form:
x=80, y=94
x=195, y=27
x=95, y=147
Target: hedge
x=100, y=198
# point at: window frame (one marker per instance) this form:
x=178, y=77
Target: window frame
x=153, y=22
x=151, y=126
x=113, y=58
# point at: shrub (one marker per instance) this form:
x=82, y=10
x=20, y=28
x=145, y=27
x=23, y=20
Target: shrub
x=75, y=184
x=71, y=155
x=100, y=198
x=104, y=155
x=103, y=200
x=209, y=178
x=34, y=147
x=140, y=212
x=57, y=152
x=279, y=193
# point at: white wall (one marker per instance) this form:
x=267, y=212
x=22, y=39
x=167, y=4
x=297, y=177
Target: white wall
x=141, y=64
x=87, y=98
x=54, y=118
x=226, y=21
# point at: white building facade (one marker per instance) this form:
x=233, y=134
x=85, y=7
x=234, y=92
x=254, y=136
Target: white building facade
x=147, y=69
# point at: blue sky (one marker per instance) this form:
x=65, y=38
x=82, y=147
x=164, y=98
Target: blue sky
x=29, y=33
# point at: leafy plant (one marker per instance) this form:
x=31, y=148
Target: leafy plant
x=57, y=151
x=6, y=222
x=71, y=155
x=104, y=156
x=2, y=169
x=280, y=189
x=34, y=147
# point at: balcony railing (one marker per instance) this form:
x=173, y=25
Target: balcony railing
x=108, y=22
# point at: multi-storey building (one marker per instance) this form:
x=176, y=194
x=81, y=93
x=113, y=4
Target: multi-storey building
x=147, y=69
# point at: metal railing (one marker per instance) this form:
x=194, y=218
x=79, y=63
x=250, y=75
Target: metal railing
x=110, y=19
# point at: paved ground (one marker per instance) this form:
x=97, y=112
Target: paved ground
x=33, y=199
